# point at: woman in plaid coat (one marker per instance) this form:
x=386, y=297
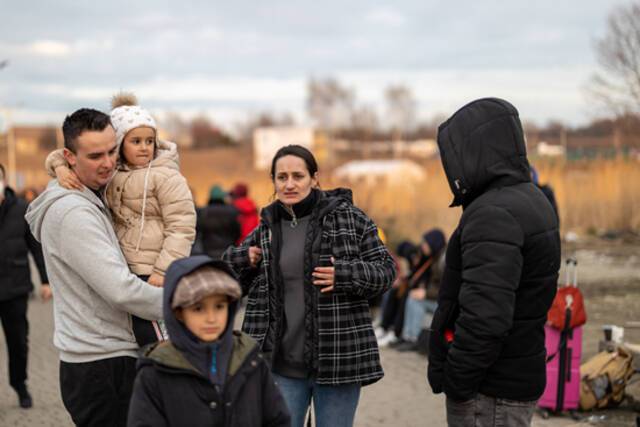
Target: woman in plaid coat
x=309, y=269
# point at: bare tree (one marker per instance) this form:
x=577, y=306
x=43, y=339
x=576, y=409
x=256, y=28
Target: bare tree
x=617, y=85
x=364, y=122
x=205, y=134
x=401, y=107
x=177, y=128
x=329, y=103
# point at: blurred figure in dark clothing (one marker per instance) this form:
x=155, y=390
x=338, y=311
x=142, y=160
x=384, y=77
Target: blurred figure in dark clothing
x=16, y=241
x=217, y=226
x=546, y=190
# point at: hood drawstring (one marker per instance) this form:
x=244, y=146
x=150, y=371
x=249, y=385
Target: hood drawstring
x=214, y=360
x=144, y=205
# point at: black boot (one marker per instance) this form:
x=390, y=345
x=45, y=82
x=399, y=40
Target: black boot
x=24, y=398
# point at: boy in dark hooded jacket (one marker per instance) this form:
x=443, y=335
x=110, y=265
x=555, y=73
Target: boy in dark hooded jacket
x=207, y=374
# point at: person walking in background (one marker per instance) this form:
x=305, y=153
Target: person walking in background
x=248, y=218
x=217, y=226
x=487, y=351
x=150, y=202
x=15, y=284
x=207, y=374
x=421, y=300
x=93, y=289
x=309, y=269
x=546, y=190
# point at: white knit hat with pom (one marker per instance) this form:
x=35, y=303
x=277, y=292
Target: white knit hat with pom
x=127, y=115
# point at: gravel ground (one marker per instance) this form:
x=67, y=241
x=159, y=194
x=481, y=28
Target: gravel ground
x=609, y=277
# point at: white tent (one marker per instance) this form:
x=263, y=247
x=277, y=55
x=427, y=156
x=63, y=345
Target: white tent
x=377, y=172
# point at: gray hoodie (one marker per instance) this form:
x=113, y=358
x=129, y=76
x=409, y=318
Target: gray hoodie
x=93, y=289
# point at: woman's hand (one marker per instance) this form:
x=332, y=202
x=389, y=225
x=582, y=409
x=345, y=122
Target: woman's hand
x=418, y=294
x=68, y=178
x=156, y=280
x=325, y=276
x=255, y=256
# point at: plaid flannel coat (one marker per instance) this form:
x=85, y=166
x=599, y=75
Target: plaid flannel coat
x=340, y=347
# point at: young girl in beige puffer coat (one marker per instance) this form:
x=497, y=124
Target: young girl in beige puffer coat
x=151, y=204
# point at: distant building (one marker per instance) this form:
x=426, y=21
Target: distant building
x=268, y=140
x=550, y=150
x=22, y=151
x=421, y=149
x=29, y=139
x=380, y=172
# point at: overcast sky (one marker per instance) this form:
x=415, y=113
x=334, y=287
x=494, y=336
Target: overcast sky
x=229, y=59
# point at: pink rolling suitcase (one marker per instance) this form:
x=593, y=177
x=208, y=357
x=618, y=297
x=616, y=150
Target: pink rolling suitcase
x=564, y=350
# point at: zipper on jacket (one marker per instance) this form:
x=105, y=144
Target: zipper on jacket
x=294, y=219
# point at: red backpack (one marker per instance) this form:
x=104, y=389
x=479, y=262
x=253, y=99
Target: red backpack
x=567, y=310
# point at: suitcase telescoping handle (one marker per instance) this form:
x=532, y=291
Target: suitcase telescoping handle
x=571, y=272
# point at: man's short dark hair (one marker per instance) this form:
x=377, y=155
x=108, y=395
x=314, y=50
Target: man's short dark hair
x=82, y=120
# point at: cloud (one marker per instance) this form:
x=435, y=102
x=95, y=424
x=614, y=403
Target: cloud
x=208, y=57
x=56, y=49
x=49, y=48
x=193, y=90
x=385, y=16
x=539, y=94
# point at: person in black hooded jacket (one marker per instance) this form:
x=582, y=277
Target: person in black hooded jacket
x=16, y=241
x=487, y=350
x=207, y=374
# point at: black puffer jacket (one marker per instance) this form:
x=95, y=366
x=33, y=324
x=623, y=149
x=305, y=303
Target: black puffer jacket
x=16, y=241
x=501, y=264
x=218, y=228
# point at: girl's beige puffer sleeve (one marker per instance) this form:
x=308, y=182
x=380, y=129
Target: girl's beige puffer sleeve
x=55, y=159
x=179, y=218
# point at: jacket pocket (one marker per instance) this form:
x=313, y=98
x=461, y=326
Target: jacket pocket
x=444, y=317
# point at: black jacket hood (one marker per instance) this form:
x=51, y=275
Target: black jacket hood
x=199, y=354
x=482, y=146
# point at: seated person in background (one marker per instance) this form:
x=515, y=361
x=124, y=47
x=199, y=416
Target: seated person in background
x=392, y=310
x=422, y=300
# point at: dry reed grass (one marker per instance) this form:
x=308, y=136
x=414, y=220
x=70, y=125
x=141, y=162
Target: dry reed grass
x=592, y=195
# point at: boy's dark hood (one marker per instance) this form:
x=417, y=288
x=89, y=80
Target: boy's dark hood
x=482, y=145
x=199, y=354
